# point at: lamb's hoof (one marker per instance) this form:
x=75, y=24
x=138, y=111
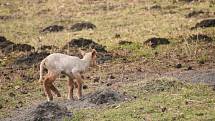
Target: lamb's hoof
x=70, y=98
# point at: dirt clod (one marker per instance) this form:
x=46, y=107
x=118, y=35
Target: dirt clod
x=53, y=28
x=82, y=25
x=194, y=14
x=154, y=42
x=178, y=65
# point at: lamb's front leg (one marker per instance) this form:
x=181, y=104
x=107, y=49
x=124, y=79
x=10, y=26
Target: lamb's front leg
x=70, y=88
x=79, y=84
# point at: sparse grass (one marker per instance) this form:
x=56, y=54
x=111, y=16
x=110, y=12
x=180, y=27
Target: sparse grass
x=191, y=102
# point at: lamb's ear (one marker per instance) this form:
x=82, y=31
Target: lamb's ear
x=82, y=52
x=94, y=52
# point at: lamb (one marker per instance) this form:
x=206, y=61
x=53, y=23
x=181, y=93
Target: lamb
x=71, y=66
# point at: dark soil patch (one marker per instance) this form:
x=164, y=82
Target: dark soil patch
x=82, y=25
x=199, y=38
x=107, y=96
x=47, y=111
x=205, y=23
x=124, y=42
x=32, y=58
x=7, y=46
x=53, y=28
x=84, y=43
x=154, y=42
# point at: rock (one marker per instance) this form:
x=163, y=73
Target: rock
x=154, y=42
x=53, y=28
x=82, y=25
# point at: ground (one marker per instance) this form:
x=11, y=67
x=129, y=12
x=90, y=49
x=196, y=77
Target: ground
x=156, y=58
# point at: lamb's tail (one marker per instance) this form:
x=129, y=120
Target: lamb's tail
x=41, y=70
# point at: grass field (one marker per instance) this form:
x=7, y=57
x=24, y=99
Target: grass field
x=21, y=21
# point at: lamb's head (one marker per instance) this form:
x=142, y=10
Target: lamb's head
x=90, y=56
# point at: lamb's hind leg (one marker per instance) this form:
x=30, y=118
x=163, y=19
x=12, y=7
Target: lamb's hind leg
x=48, y=86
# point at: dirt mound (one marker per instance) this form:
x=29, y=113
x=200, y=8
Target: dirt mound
x=154, y=42
x=82, y=25
x=162, y=84
x=199, y=38
x=7, y=46
x=107, y=96
x=205, y=23
x=50, y=111
x=18, y=47
x=47, y=111
x=53, y=28
x=84, y=43
x=32, y=58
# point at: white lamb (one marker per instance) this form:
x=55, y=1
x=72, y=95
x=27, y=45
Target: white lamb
x=72, y=66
